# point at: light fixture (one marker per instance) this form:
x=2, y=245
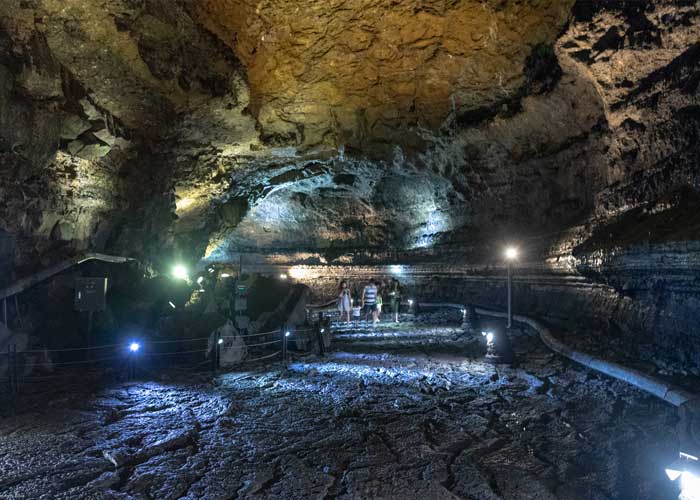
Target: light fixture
x=396, y=269
x=674, y=470
x=690, y=486
x=172, y=305
x=511, y=254
x=287, y=334
x=225, y=275
x=410, y=302
x=283, y=276
x=200, y=279
x=323, y=330
x=298, y=272
x=687, y=468
x=489, y=336
x=221, y=341
x=180, y=272
x=134, y=346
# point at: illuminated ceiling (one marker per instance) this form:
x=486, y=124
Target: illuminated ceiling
x=356, y=71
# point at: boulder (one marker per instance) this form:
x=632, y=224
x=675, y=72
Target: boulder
x=233, y=348
x=73, y=126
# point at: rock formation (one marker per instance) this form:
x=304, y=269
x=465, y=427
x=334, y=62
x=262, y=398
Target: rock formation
x=357, y=131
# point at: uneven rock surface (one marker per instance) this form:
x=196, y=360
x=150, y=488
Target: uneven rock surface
x=366, y=124
x=365, y=71
x=406, y=423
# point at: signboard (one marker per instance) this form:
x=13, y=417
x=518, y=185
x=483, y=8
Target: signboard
x=90, y=294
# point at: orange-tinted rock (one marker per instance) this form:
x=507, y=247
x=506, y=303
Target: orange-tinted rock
x=363, y=63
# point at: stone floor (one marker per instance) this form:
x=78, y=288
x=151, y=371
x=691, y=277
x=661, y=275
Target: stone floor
x=385, y=415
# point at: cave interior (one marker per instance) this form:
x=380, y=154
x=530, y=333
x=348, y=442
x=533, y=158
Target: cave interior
x=185, y=184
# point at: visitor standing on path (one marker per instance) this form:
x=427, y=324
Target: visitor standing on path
x=344, y=302
x=369, y=300
x=356, y=311
x=395, y=297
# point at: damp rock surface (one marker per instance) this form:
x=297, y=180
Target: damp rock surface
x=402, y=421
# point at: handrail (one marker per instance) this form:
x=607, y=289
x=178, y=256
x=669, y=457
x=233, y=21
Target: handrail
x=663, y=390
x=325, y=305
x=441, y=304
x=40, y=276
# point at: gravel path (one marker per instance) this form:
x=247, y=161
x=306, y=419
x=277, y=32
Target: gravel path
x=382, y=416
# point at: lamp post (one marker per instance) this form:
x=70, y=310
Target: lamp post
x=511, y=253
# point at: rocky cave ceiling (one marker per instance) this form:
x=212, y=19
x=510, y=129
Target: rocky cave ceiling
x=361, y=71
x=218, y=126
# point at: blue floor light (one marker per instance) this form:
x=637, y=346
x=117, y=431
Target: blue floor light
x=133, y=348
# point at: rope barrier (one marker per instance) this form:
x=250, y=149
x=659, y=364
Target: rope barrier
x=56, y=376
x=30, y=380
x=174, y=353
x=259, y=334
x=70, y=349
x=175, y=341
x=65, y=363
x=130, y=360
x=262, y=358
x=264, y=343
x=125, y=346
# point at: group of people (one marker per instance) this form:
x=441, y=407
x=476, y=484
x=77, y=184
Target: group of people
x=370, y=301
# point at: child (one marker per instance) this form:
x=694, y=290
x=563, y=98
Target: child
x=356, y=311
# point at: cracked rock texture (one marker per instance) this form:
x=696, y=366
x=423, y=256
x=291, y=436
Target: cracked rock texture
x=364, y=71
x=377, y=418
x=367, y=124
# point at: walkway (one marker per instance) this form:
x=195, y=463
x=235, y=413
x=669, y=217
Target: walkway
x=385, y=421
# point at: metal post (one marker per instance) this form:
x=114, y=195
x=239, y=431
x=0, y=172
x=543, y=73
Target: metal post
x=510, y=308
x=283, y=332
x=19, y=314
x=217, y=352
x=9, y=370
x=319, y=335
x=89, y=335
x=14, y=368
x=131, y=366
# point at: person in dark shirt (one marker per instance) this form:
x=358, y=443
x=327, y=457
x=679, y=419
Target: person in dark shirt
x=395, y=297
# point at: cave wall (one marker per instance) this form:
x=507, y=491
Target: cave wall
x=419, y=132
x=579, y=112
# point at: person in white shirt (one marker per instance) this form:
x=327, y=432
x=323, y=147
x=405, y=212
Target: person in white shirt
x=344, y=303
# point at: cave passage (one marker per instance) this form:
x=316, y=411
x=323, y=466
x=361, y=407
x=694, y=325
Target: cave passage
x=189, y=190
x=404, y=411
